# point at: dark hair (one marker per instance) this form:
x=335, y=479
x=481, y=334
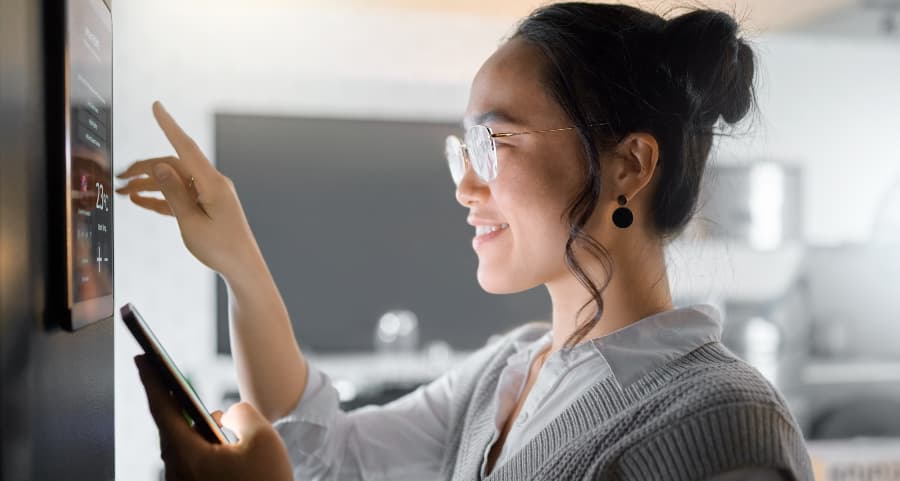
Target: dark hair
x=638, y=72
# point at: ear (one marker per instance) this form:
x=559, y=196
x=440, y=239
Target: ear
x=638, y=154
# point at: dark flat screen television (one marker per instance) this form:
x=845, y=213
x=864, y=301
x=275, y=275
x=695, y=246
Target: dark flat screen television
x=357, y=217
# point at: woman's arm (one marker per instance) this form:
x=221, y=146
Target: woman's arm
x=270, y=366
x=403, y=440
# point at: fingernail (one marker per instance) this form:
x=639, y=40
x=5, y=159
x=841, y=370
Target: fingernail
x=161, y=172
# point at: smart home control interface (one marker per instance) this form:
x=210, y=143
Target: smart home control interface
x=89, y=149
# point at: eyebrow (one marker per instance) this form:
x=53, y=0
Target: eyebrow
x=489, y=116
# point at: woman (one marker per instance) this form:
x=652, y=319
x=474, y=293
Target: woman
x=587, y=136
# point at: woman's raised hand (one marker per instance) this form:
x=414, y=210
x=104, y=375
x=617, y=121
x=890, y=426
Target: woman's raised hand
x=205, y=203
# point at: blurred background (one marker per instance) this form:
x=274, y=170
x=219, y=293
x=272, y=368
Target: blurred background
x=330, y=118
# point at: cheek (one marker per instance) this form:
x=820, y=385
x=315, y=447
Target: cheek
x=533, y=194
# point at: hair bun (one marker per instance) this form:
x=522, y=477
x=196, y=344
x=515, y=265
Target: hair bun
x=708, y=62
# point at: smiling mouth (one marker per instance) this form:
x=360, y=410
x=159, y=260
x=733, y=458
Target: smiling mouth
x=487, y=229
x=486, y=233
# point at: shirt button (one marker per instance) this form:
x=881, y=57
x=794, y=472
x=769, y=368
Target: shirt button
x=523, y=416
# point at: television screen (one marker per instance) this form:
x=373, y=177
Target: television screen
x=357, y=218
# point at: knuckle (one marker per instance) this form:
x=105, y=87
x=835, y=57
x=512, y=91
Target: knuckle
x=224, y=184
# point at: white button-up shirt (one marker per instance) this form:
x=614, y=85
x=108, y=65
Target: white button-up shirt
x=403, y=440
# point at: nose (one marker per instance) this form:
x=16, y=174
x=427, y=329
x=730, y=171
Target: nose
x=471, y=189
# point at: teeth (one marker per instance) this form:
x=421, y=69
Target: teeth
x=487, y=229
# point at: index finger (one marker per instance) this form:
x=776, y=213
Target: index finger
x=188, y=151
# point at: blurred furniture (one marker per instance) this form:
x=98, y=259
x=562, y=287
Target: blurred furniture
x=858, y=459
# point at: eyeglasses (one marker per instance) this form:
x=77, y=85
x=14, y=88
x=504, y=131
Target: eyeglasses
x=479, y=149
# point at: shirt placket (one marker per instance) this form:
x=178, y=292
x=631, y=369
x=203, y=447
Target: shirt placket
x=501, y=411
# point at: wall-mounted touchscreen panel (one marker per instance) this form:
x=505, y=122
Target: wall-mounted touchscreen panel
x=89, y=159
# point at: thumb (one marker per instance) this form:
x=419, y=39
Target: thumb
x=172, y=187
x=260, y=449
x=217, y=415
x=244, y=420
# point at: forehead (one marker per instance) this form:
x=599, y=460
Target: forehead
x=508, y=88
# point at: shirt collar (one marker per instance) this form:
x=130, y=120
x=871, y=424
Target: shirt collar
x=640, y=347
x=653, y=341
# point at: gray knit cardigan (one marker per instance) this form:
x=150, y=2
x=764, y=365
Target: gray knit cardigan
x=701, y=414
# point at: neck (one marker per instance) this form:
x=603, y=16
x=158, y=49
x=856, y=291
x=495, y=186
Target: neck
x=638, y=288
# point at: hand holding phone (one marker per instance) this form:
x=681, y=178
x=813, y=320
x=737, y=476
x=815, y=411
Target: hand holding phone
x=257, y=451
x=192, y=407
x=258, y=454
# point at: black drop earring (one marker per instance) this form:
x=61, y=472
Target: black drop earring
x=622, y=217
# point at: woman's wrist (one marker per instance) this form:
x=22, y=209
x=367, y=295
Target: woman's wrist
x=247, y=274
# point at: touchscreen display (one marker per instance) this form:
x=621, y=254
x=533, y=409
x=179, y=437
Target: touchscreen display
x=89, y=41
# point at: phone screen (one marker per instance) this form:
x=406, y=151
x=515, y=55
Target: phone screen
x=193, y=408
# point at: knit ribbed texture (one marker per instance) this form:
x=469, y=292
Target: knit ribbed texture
x=702, y=414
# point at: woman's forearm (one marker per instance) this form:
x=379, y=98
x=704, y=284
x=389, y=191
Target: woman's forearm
x=271, y=370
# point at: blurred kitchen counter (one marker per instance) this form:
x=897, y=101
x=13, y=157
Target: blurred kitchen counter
x=859, y=459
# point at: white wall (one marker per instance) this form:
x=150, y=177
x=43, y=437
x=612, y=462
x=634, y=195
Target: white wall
x=830, y=105
x=203, y=57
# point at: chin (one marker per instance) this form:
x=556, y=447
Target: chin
x=495, y=282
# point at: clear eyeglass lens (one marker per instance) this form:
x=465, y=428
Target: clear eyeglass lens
x=482, y=152
x=453, y=152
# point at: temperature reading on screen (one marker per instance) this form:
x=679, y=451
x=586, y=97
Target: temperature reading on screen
x=102, y=198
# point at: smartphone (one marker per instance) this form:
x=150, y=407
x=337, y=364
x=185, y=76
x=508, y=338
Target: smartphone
x=192, y=407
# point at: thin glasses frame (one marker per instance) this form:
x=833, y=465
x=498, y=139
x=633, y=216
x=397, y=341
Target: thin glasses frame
x=458, y=157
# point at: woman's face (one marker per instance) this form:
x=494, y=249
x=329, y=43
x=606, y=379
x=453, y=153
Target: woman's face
x=538, y=174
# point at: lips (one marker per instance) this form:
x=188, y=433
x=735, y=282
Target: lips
x=487, y=233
